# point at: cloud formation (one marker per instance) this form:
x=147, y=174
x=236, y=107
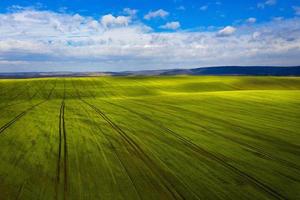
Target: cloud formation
x=227, y=31
x=45, y=41
x=156, y=14
x=251, y=20
x=262, y=5
x=171, y=25
x=110, y=20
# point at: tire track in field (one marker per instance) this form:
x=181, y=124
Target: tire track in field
x=14, y=120
x=9, y=89
x=39, y=90
x=248, y=131
x=160, y=174
x=16, y=96
x=257, y=150
x=59, y=154
x=142, y=116
x=25, y=152
x=62, y=148
x=19, y=116
x=114, y=151
x=212, y=156
x=118, y=159
x=18, y=103
x=156, y=170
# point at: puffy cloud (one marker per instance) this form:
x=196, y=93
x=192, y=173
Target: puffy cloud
x=110, y=20
x=171, y=25
x=156, y=14
x=45, y=41
x=251, y=20
x=227, y=31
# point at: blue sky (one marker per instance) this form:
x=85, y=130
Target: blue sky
x=117, y=35
x=191, y=14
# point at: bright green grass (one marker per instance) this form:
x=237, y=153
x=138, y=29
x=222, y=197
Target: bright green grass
x=150, y=138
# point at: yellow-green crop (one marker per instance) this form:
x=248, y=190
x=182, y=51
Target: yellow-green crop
x=181, y=137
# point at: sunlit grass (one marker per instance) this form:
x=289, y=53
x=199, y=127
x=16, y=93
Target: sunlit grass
x=182, y=137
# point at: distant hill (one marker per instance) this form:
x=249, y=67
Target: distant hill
x=248, y=71
x=220, y=71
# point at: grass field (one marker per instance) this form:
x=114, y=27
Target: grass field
x=150, y=138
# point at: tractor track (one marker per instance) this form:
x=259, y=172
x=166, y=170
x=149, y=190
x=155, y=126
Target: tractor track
x=16, y=96
x=212, y=156
x=115, y=152
x=159, y=173
x=20, y=115
x=17, y=118
x=119, y=159
x=197, y=149
x=14, y=104
x=38, y=90
x=62, y=149
x=247, y=131
x=255, y=182
x=257, y=150
x=142, y=116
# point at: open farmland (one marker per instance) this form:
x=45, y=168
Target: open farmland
x=179, y=137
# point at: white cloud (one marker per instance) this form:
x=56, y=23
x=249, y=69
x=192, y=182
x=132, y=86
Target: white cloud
x=44, y=41
x=251, y=20
x=110, y=20
x=130, y=12
x=227, y=31
x=156, y=14
x=256, y=35
x=262, y=5
x=203, y=8
x=297, y=10
x=271, y=2
x=171, y=25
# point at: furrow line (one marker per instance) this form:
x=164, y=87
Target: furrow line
x=14, y=104
x=58, y=168
x=148, y=119
x=19, y=116
x=234, y=140
x=65, y=153
x=114, y=151
x=142, y=155
x=62, y=150
x=255, y=182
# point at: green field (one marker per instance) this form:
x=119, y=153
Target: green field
x=150, y=138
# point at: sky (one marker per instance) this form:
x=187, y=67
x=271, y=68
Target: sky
x=121, y=35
